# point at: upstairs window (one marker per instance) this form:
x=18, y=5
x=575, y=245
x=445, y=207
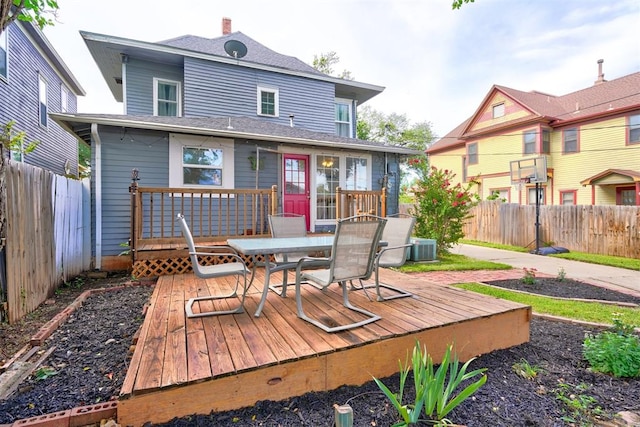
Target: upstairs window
x=64, y=99
x=634, y=129
x=472, y=153
x=570, y=140
x=343, y=118
x=529, y=140
x=498, y=110
x=546, y=141
x=43, y=101
x=3, y=54
x=166, y=98
x=268, y=100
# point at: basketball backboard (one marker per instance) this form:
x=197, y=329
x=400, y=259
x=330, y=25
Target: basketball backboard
x=530, y=170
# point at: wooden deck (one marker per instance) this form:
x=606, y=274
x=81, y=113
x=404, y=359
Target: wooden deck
x=184, y=366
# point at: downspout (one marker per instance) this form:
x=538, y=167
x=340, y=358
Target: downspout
x=97, y=174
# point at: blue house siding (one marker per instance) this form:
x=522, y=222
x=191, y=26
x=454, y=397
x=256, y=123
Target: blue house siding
x=213, y=89
x=139, y=80
x=19, y=101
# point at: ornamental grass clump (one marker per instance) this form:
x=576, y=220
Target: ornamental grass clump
x=434, y=390
x=615, y=351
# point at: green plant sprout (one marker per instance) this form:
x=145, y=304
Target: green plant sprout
x=525, y=369
x=615, y=351
x=433, y=391
x=562, y=274
x=529, y=277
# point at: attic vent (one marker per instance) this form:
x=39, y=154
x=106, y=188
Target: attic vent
x=118, y=80
x=235, y=49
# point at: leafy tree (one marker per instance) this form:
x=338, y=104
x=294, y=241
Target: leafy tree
x=15, y=142
x=457, y=4
x=38, y=11
x=325, y=62
x=441, y=208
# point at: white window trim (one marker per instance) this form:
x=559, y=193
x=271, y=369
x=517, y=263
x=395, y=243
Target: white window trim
x=270, y=89
x=178, y=84
x=499, y=109
x=178, y=141
x=4, y=43
x=348, y=103
x=42, y=81
x=64, y=99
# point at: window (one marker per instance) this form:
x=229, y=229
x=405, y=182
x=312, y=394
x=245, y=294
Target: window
x=531, y=197
x=568, y=197
x=529, y=138
x=267, y=101
x=570, y=140
x=166, y=98
x=43, y=101
x=546, y=141
x=343, y=118
x=4, y=57
x=498, y=110
x=502, y=194
x=626, y=196
x=338, y=170
x=634, y=129
x=64, y=99
x=196, y=162
x=472, y=153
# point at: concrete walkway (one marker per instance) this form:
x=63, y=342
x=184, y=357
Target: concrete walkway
x=619, y=279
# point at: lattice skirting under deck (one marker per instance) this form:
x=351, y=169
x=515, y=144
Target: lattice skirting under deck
x=177, y=265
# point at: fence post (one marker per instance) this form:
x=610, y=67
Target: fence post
x=383, y=202
x=338, y=203
x=3, y=219
x=274, y=199
x=133, y=190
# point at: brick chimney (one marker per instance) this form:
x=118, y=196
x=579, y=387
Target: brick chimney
x=226, y=26
x=600, y=73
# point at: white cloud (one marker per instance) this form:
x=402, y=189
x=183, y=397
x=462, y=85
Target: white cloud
x=436, y=64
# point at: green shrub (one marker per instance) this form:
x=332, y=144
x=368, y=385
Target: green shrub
x=433, y=391
x=615, y=352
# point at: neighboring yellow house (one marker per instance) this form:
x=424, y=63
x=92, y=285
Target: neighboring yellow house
x=590, y=140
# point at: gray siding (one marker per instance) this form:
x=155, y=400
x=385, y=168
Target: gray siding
x=213, y=89
x=19, y=101
x=139, y=80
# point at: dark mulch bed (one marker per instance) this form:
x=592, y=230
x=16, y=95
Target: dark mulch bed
x=84, y=360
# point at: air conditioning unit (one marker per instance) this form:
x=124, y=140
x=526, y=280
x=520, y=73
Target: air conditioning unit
x=423, y=249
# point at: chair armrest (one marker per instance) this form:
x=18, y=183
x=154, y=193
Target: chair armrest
x=389, y=248
x=311, y=261
x=227, y=248
x=219, y=254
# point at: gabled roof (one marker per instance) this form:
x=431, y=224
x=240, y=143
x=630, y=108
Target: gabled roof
x=601, y=100
x=629, y=175
x=226, y=127
x=107, y=51
x=52, y=56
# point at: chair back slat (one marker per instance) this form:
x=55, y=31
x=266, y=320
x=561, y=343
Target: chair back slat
x=354, y=248
x=397, y=232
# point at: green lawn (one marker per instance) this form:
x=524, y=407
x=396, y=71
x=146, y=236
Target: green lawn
x=578, y=310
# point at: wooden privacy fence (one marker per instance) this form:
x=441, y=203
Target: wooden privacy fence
x=605, y=230
x=44, y=235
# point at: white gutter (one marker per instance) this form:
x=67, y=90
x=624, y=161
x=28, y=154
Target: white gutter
x=97, y=174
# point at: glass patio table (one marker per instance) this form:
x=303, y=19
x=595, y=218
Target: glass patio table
x=267, y=246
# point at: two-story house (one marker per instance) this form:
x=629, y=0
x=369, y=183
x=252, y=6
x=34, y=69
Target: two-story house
x=589, y=139
x=34, y=81
x=225, y=113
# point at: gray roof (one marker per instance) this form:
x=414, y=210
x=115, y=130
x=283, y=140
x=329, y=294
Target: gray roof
x=256, y=52
x=107, y=52
x=228, y=127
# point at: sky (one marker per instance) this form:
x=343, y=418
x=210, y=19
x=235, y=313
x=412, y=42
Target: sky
x=436, y=64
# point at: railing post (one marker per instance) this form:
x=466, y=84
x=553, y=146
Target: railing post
x=383, y=202
x=338, y=203
x=133, y=190
x=274, y=199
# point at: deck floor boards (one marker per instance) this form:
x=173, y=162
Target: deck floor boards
x=223, y=362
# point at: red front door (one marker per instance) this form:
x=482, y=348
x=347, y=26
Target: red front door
x=296, y=195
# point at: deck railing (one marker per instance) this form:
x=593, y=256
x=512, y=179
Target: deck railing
x=212, y=215
x=352, y=202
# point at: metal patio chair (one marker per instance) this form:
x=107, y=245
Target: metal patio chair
x=352, y=257
x=236, y=268
x=397, y=235
x=286, y=225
